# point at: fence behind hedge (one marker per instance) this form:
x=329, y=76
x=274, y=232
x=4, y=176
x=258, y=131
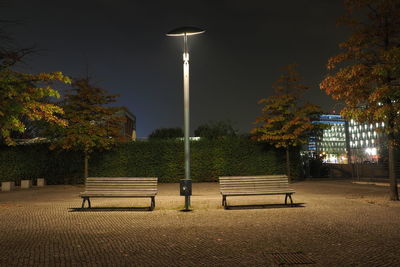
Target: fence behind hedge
x=164, y=159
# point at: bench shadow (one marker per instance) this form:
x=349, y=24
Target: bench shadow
x=109, y=209
x=264, y=206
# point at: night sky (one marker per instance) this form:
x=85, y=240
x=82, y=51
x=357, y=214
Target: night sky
x=232, y=65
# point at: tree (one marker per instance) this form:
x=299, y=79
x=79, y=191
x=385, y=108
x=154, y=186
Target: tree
x=368, y=79
x=285, y=122
x=23, y=95
x=215, y=130
x=166, y=133
x=92, y=125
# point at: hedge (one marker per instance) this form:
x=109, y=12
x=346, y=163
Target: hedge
x=159, y=158
x=37, y=161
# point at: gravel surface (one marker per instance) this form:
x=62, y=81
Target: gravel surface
x=335, y=223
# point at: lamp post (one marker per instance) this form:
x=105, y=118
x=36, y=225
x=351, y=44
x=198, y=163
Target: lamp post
x=186, y=184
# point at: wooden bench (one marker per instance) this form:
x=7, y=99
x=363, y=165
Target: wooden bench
x=255, y=185
x=123, y=187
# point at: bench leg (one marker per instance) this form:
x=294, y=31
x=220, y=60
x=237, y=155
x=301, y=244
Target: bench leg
x=84, y=200
x=224, y=204
x=291, y=200
x=153, y=203
x=290, y=197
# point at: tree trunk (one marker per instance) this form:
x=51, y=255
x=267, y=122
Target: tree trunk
x=394, y=195
x=288, y=165
x=86, y=166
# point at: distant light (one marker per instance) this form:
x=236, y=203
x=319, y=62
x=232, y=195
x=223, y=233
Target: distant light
x=371, y=151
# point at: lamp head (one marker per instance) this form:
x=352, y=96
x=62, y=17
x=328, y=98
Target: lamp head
x=187, y=30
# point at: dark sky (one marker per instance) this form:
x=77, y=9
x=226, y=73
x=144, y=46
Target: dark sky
x=232, y=65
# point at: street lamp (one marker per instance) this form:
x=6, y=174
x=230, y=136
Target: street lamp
x=186, y=184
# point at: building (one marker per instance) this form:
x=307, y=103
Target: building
x=348, y=142
x=332, y=144
x=366, y=141
x=128, y=127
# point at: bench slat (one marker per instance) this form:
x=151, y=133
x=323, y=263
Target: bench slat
x=115, y=195
x=260, y=190
x=123, y=178
x=253, y=182
x=120, y=186
x=254, y=185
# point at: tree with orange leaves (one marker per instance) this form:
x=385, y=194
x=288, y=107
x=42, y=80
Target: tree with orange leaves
x=24, y=96
x=368, y=79
x=285, y=122
x=92, y=123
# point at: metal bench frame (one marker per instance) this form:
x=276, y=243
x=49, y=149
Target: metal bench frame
x=122, y=187
x=255, y=185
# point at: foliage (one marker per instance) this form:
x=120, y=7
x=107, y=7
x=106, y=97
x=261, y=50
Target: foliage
x=284, y=121
x=166, y=133
x=91, y=124
x=37, y=161
x=160, y=158
x=368, y=75
x=369, y=82
x=23, y=96
x=215, y=130
x=209, y=159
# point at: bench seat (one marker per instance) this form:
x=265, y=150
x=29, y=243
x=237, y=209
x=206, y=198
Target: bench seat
x=255, y=185
x=120, y=187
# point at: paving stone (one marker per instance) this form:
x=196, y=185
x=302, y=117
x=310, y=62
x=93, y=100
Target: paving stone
x=337, y=224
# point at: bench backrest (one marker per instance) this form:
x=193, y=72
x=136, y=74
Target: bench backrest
x=118, y=185
x=239, y=184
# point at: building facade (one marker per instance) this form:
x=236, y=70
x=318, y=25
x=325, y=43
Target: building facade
x=128, y=127
x=332, y=145
x=366, y=141
x=348, y=141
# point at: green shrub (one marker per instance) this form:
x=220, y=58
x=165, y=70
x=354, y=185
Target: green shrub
x=159, y=158
x=35, y=161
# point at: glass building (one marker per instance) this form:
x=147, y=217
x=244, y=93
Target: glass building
x=343, y=140
x=332, y=145
x=366, y=141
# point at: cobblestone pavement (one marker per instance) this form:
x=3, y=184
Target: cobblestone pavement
x=337, y=224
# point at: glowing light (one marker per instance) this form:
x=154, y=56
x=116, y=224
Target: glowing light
x=371, y=151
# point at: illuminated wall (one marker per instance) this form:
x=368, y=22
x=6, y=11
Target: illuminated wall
x=365, y=141
x=332, y=144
